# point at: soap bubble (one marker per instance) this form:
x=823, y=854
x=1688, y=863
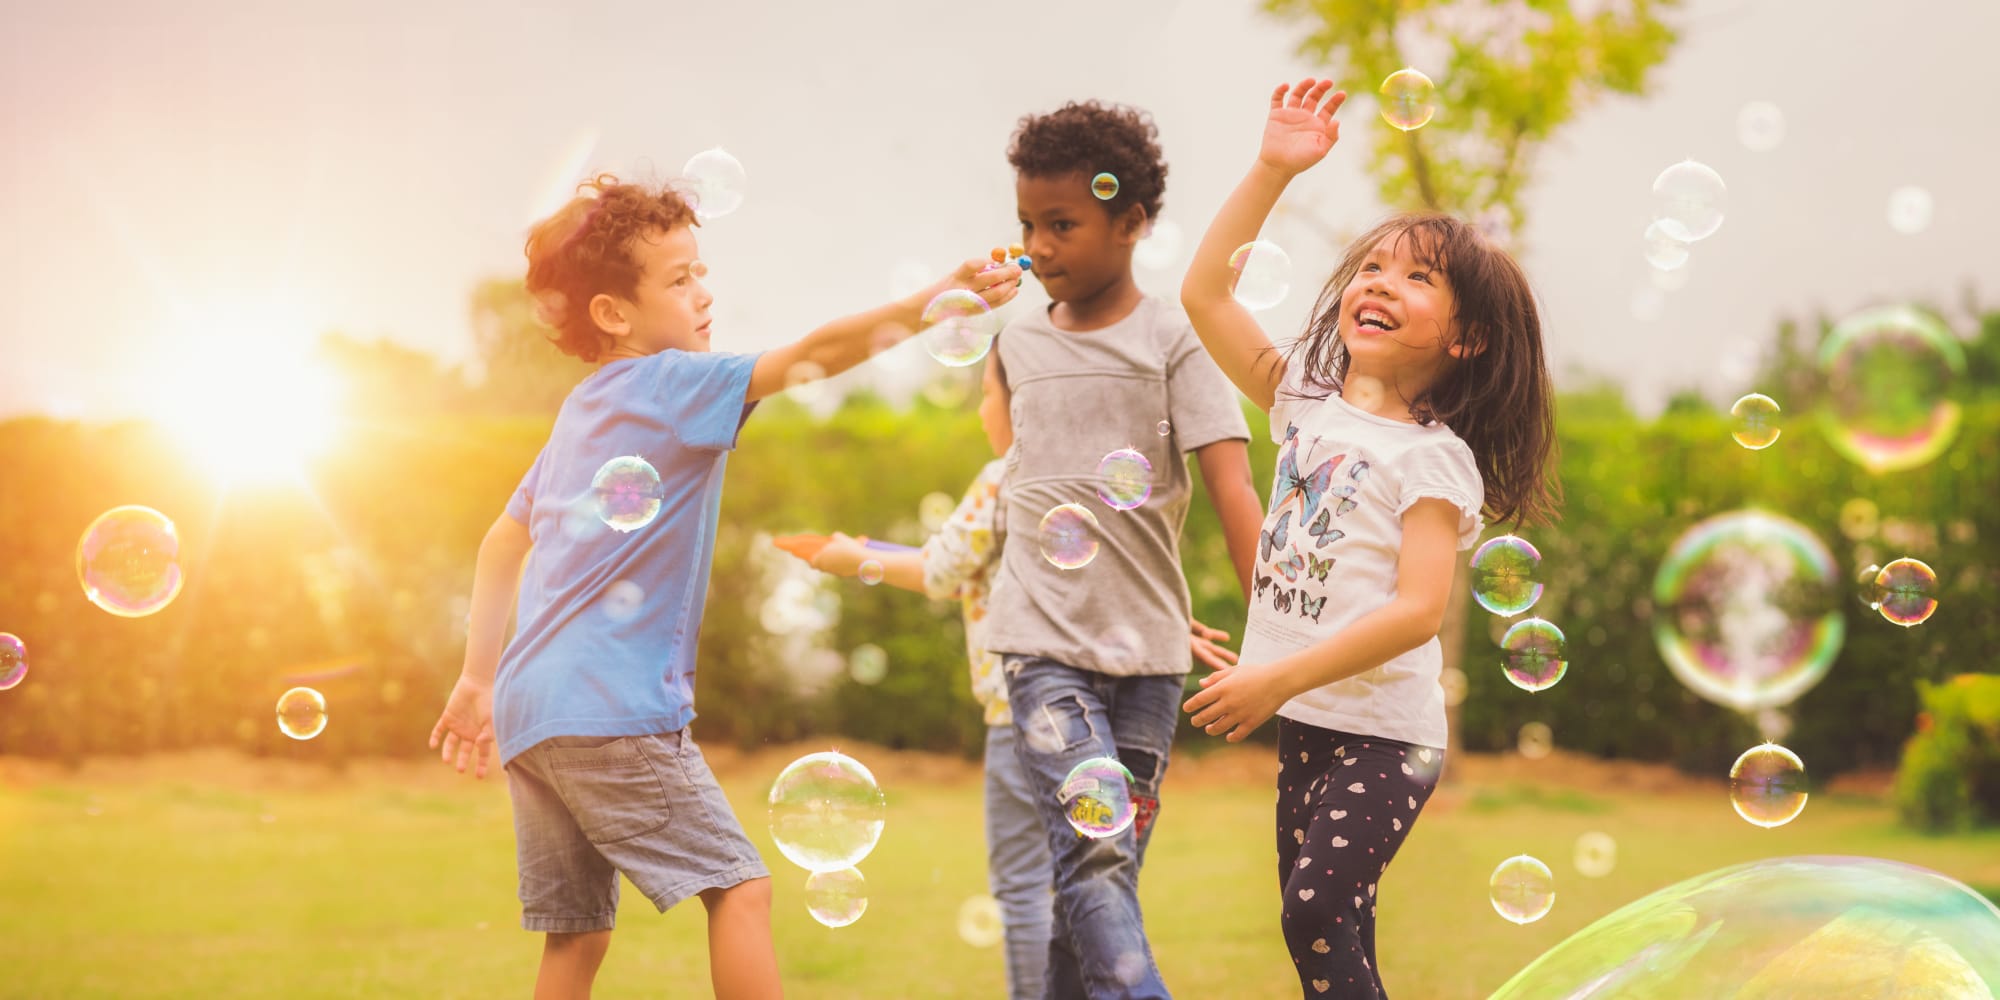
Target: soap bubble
x=716, y=182
x=1068, y=536
x=1161, y=249
x=836, y=898
x=1868, y=587
x=129, y=561
x=1664, y=251
x=301, y=713
x=1756, y=421
x=1523, y=889
x=826, y=812
x=1748, y=609
x=1890, y=375
x=1408, y=99
x=1760, y=126
x=958, y=328
x=1532, y=654
x=1536, y=740
x=1454, y=683
x=1104, y=186
x=622, y=600
x=1781, y=928
x=870, y=572
x=1163, y=428
x=1689, y=199
x=1124, y=479
x=1596, y=854
x=1767, y=785
x=980, y=923
x=13, y=660
x=1097, y=798
x=1263, y=274
x=628, y=493
x=1504, y=571
x=935, y=509
x=1909, y=210
x=1908, y=592
x=868, y=664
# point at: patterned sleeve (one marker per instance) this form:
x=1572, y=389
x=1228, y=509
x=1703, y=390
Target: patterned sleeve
x=1450, y=474
x=963, y=546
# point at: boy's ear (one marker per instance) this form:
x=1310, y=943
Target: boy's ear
x=609, y=315
x=1131, y=225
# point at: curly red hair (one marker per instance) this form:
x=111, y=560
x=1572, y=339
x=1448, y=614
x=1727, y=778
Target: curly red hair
x=585, y=250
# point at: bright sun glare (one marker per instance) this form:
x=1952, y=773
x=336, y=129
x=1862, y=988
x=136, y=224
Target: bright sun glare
x=247, y=410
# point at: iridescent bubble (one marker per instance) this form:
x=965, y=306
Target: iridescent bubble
x=1097, y=798
x=1909, y=210
x=1689, y=199
x=1532, y=654
x=1504, y=572
x=1890, y=375
x=1124, y=479
x=628, y=493
x=1408, y=99
x=716, y=183
x=868, y=664
x=1755, y=418
x=1760, y=126
x=1767, y=785
x=1104, y=186
x=1161, y=249
x=301, y=713
x=1068, y=536
x=1868, y=587
x=129, y=561
x=935, y=509
x=1908, y=589
x=1783, y=928
x=1748, y=612
x=1596, y=854
x=1262, y=274
x=1535, y=740
x=980, y=923
x=1163, y=428
x=13, y=660
x=1859, y=517
x=958, y=328
x=826, y=812
x=836, y=898
x=870, y=572
x=1663, y=250
x=1523, y=889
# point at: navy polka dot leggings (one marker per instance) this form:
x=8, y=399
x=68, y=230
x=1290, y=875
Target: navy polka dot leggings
x=1345, y=803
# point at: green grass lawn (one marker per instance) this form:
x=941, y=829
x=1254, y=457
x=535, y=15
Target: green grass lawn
x=214, y=876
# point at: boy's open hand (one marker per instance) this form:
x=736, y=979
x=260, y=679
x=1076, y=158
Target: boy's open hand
x=1300, y=130
x=1234, y=701
x=1205, y=643
x=465, y=730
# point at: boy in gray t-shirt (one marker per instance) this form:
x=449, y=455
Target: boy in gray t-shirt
x=1095, y=655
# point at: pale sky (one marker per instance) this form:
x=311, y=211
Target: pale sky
x=211, y=180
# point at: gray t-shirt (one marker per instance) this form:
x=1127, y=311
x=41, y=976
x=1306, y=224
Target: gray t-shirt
x=1077, y=397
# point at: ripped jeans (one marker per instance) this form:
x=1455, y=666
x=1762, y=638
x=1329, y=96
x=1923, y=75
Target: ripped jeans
x=1063, y=716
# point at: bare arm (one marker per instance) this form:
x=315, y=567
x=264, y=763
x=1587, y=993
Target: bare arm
x=849, y=340
x=1225, y=470
x=1297, y=134
x=464, y=730
x=843, y=556
x=1238, y=700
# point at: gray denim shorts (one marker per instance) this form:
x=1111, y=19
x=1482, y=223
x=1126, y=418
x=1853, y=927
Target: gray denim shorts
x=589, y=807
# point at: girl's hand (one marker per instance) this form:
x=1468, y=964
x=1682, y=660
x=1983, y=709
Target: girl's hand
x=1206, y=642
x=997, y=285
x=841, y=555
x=1300, y=130
x=1234, y=701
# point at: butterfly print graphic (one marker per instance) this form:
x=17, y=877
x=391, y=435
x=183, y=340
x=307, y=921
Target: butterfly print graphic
x=1307, y=488
x=1347, y=503
x=1271, y=540
x=1263, y=582
x=1318, y=567
x=1292, y=567
x=1322, y=529
x=1281, y=599
x=1310, y=607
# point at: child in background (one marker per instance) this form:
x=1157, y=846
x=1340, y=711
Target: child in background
x=591, y=701
x=1095, y=655
x=957, y=562
x=1417, y=396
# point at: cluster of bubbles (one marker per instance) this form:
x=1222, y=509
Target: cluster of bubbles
x=1408, y=99
x=1783, y=927
x=627, y=493
x=301, y=713
x=1522, y=889
x=1096, y=798
x=1689, y=201
x=1767, y=785
x=826, y=815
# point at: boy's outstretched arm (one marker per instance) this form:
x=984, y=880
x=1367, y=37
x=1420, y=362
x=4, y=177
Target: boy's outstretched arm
x=849, y=340
x=1225, y=471
x=1298, y=132
x=464, y=732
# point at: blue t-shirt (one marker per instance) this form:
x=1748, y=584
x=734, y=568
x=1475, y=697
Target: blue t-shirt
x=609, y=618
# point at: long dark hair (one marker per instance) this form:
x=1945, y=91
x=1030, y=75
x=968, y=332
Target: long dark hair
x=1497, y=397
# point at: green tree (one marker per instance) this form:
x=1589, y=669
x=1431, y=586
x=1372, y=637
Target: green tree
x=520, y=370
x=1512, y=73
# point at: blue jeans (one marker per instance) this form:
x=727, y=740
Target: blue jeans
x=1017, y=865
x=1064, y=716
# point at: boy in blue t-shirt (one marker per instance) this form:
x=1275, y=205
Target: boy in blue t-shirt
x=591, y=700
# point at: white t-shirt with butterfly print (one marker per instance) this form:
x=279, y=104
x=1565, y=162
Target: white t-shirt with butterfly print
x=1333, y=531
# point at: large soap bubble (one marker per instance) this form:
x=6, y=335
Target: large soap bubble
x=826, y=812
x=1890, y=375
x=1820, y=926
x=1748, y=609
